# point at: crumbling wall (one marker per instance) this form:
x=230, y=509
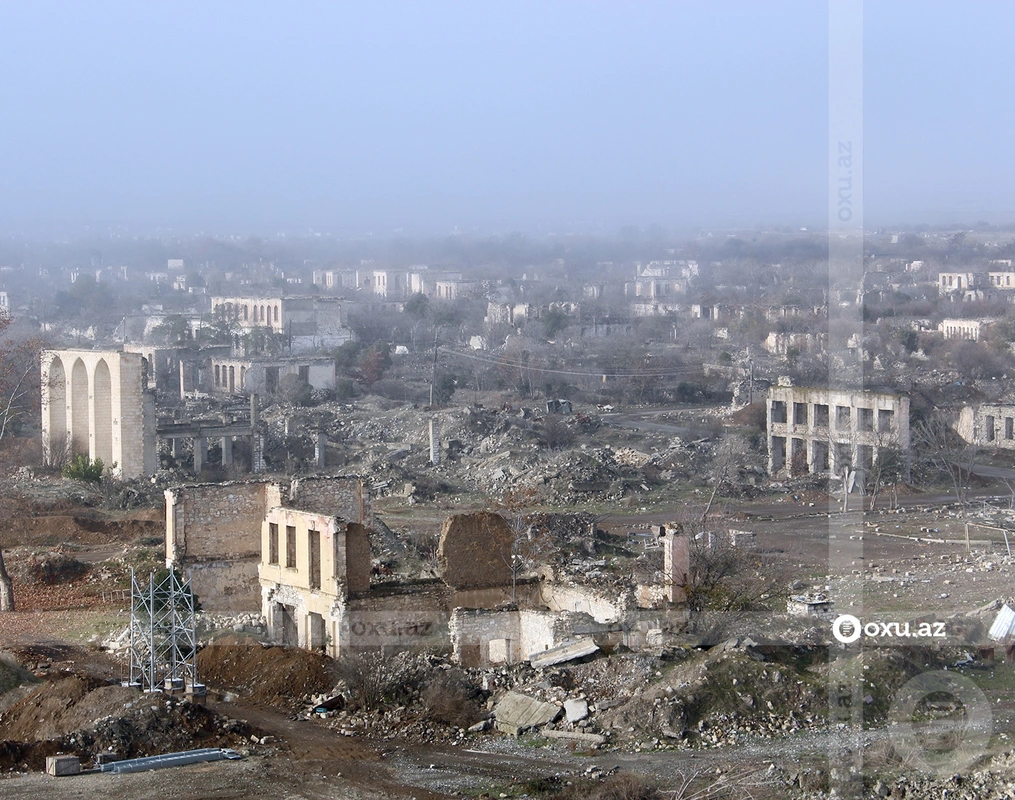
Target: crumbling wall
x=475, y=551
x=338, y=496
x=356, y=557
x=402, y=618
x=561, y=597
x=215, y=529
x=482, y=637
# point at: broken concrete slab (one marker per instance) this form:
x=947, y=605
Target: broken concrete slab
x=517, y=712
x=591, y=738
x=576, y=709
x=564, y=652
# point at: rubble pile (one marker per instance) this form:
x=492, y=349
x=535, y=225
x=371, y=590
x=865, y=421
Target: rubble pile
x=714, y=698
x=496, y=449
x=207, y=625
x=84, y=716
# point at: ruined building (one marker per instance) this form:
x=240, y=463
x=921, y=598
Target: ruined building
x=988, y=425
x=96, y=403
x=822, y=431
x=300, y=554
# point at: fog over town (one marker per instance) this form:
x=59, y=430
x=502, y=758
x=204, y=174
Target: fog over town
x=507, y=400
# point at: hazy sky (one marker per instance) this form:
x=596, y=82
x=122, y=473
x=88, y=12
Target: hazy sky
x=376, y=116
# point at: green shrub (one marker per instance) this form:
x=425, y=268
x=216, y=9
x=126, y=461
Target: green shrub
x=83, y=469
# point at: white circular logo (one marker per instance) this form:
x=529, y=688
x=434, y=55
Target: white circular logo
x=849, y=622
x=941, y=722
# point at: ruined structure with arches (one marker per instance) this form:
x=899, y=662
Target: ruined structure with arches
x=96, y=403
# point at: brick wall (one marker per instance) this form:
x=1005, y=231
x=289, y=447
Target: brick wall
x=475, y=551
x=343, y=497
x=212, y=528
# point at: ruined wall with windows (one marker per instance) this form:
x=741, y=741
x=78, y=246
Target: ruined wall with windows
x=309, y=567
x=822, y=431
x=212, y=530
x=988, y=425
x=263, y=376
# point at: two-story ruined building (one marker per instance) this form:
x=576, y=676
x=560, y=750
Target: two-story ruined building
x=822, y=431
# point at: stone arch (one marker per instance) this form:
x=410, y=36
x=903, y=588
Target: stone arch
x=79, y=408
x=102, y=391
x=56, y=397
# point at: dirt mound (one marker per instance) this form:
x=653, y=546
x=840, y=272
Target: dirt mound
x=271, y=675
x=61, y=706
x=55, y=566
x=12, y=675
x=82, y=715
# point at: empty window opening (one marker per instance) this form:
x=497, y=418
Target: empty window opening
x=821, y=415
x=886, y=417
x=819, y=456
x=314, y=549
x=778, y=411
x=272, y=543
x=778, y=453
x=800, y=413
x=290, y=546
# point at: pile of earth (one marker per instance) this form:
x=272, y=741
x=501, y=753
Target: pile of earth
x=84, y=716
x=274, y=676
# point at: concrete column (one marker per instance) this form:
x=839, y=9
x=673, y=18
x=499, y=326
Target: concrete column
x=435, y=442
x=676, y=564
x=200, y=453
x=183, y=378
x=319, y=448
x=256, y=453
x=227, y=451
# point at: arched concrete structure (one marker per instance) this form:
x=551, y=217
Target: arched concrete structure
x=99, y=407
x=56, y=392
x=102, y=412
x=78, y=408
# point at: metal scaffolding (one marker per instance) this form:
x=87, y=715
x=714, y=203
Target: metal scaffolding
x=163, y=645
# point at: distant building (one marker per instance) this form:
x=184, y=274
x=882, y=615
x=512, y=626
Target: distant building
x=969, y=329
x=988, y=425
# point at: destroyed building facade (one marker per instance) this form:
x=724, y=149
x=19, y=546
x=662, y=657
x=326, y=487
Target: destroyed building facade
x=822, y=431
x=988, y=425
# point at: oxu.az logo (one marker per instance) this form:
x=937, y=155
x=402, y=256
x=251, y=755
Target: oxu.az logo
x=847, y=629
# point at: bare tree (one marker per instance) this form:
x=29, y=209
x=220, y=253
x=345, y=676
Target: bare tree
x=19, y=393
x=6, y=587
x=889, y=468
x=939, y=450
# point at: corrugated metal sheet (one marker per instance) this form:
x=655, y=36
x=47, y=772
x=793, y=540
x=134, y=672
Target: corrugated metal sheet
x=1004, y=624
